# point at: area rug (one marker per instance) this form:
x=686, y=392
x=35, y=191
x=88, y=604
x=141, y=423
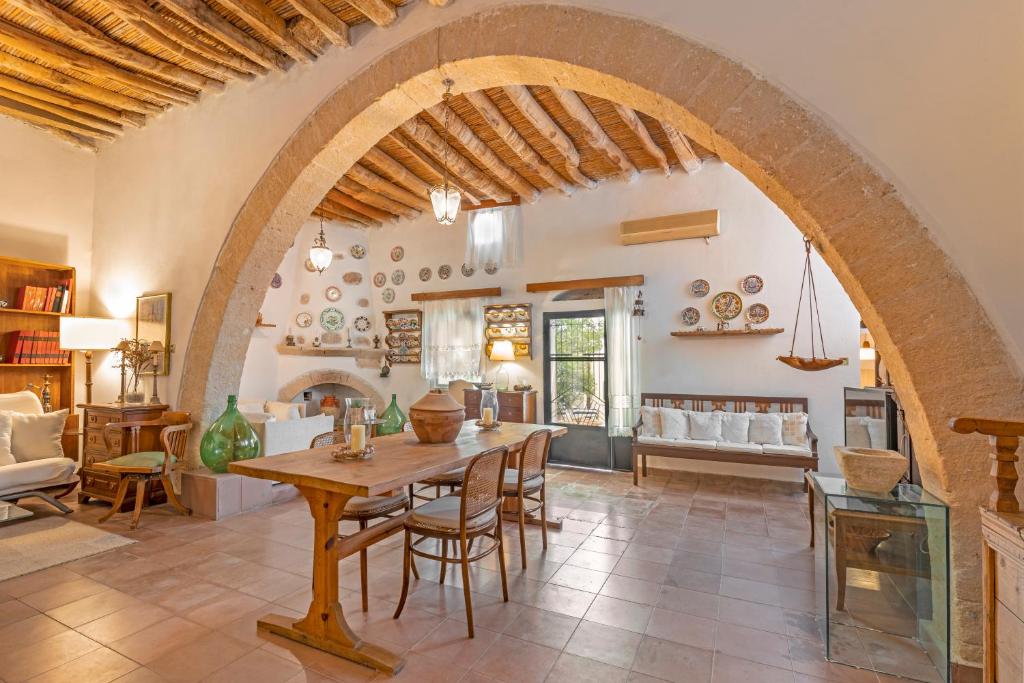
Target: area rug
x=35, y=544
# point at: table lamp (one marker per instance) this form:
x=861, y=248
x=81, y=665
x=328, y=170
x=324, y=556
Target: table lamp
x=502, y=351
x=82, y=333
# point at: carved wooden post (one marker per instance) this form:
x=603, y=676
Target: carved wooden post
x=1004, y=438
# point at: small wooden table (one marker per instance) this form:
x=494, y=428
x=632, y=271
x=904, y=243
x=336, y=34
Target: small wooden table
x=327, y=485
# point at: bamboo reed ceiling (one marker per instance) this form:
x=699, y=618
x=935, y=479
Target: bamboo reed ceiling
x=507, y=144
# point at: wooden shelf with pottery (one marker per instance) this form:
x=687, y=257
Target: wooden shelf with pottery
x=286, y=350
x=755, y=331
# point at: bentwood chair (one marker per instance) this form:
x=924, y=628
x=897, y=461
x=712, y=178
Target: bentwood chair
x=363, y=510
x=526, y=484
x=142, y=467
x=459, y=520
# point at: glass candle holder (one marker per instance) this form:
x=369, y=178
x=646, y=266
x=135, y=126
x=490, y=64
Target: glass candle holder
x=488, y=406
x=360, y=414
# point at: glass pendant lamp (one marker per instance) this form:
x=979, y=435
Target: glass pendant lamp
x=444, y=198
x=319, y=254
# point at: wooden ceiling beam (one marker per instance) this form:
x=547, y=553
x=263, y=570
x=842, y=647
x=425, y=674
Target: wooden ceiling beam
x=270, y=25
x=81, y=64
x=440, y=3
x=203, y=17
x=423, y=134
x=529, y=107
x=68, y=101
x=308, y=35
x=322, y=211
x=469, y=193
x=30, y=96
x=365, y=176
x=359, y=207
x=88, y=35
x=367, y=196
x=348, y=213
x=633, y=122
x=27, y=113
x=379, y=12
x=329, y=24
x=398, y=173
x=505, y=174
x=595, y=134
x=690, y=162
x=511, y=137
x=70, y=138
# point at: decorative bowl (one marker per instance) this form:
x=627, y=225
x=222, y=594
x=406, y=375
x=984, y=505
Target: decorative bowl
x=437, y=417
x=870, y=469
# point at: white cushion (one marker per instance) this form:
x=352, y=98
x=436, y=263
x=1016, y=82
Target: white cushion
x=794, y=429
x=876, y=432
x=766, y=428
x=857, y=435
x=443, y=513
x=258, y=417
x=251, y=406
x=675, y=423
x=283, y=411
x=36, y=437
x=47, y=470
x=6, y=456
x=787, y=450
x=368, y=504
x=21, y=402
x=512, y=481
x=736, y=427
x=734, y=447
x=689, y=443
x=705, y=426
x=650, y=418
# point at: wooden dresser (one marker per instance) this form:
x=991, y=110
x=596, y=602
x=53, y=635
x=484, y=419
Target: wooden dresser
x=513, y=406
x=103, y=486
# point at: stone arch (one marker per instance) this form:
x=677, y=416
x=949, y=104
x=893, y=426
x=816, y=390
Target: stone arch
x=942, y=352
x=330, y=376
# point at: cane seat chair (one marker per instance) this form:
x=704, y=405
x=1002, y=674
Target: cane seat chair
x=458, y=520
x=143, y=467
x=526, y=485
x=363, y=510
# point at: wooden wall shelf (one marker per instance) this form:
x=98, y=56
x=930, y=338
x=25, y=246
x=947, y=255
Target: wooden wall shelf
x=456, y=294
x=286, y=350
x=754, y=332
x=586, y=283
x=22, y=311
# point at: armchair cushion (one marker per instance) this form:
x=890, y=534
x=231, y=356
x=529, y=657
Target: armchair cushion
x=44, y=471
x=6, y=456
x=283, y=411
x=151, y=459
x=21, y=402
x=37, y=437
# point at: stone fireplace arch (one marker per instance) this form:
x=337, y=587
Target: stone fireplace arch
x=331, y=376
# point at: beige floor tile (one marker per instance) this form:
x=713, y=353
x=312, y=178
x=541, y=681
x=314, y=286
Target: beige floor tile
x=155, y=641
x=682, y=628
x=37, y=581
x=450, y=643
x=561, y=599
x=123, y=623
x=614, y=646
x=224, y=609
x=12, y=611
x=31, y=630
x=634, y=590
x=92, y=607
x=579, y=578
x=21, y=663
x=62, y=593
x=631, y=616
x=758, y=646
x=573, y=669
x=198, y=658
x=257, y=666
x=672, y=661
x=549, y=629
x=752, y=615
x=516, y=661
x=101, y=665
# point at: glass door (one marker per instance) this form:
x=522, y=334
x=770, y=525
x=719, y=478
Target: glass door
x=575, y=379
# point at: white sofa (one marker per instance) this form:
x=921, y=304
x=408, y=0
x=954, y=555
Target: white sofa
x=279, y=436
x=41, y=478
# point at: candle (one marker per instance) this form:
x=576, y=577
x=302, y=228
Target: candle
x=488, y=416
x=358, y=438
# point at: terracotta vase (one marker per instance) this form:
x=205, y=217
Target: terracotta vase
x=437, y=417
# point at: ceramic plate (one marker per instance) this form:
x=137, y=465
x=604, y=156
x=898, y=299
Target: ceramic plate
x=309, y=266
x=691, y=316
x=303, y=319
x=275, y=281
x=304, y=298
x=491, y=268
x=726, y=305
x=752, y=284
x=379, y=279
x=332, y=319
x=467, y=270
x=397, y=254
x=332, y=293
x=362, y=324
x=352, y=278
x=444, y=272
x=758, y=313
x=363, y=303
x=425, y=274
x=388, y=295
x=700, y=287
x=398, y=277
x=357, y=251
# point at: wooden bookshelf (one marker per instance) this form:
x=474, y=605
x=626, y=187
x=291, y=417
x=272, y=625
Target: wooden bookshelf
x=16, y=273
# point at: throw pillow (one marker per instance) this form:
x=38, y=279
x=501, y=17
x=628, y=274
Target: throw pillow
x=876, y=433
x=283, y=411
x=736, y=427
x=651, y=421
x=251, y=406
x=35, y=437
x=766, y=429
x=6, y=456
x=674, y=423
x=706, y=426
x=794, y=429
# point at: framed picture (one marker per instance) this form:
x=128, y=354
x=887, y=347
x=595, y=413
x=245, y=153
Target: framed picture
x=153, y=323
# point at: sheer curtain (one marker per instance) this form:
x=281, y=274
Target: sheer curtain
x=453, y=340
x=495, y=236
x=623, y=360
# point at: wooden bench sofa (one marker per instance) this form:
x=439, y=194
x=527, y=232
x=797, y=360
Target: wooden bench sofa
x=805, y=458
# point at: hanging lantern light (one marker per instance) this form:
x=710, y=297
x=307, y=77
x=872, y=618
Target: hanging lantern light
x=319, y=254
x=814, y=363
x=444, y=198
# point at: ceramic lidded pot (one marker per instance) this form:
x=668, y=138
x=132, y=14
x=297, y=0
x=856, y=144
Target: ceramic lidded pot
x=437, y=417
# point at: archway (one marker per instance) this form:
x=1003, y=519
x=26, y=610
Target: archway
x=330, y=376
x=942, y=352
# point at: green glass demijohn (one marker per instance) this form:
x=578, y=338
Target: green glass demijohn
x=392, y=420
x=229, y=438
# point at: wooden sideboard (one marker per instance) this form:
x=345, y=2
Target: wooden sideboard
x=513, y=406
x=102, y=485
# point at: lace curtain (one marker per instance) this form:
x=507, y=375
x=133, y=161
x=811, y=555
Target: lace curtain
x=495, y=236
x=452, y=340
x=623, y=360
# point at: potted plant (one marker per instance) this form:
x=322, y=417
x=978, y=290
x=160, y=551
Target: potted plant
x=135, y=358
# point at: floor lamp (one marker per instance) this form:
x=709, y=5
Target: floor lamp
x=81, y=333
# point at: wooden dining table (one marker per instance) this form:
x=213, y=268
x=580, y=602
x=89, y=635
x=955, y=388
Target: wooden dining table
x=327, y=485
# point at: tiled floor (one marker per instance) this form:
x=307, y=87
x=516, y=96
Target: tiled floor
x=686, y=578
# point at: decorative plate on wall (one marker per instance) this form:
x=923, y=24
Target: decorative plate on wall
x=309, y=266
x=398, y=277
x=758, y=313
x=362, y=324
x=397, y=254
x=304, y=319
x=752, y=284
x=275, y=281
x=491, y=268
x=388, y=295
x=352, y=278
x=467, y=270
x=357, y=251
x=363, y=303
x=304, y=298
x=332, y=293
x=700, y=287
x=444, y=272
x=726, y=305
x=426, y=274
x=332, y=319
x=379, y=279
x=691, y=316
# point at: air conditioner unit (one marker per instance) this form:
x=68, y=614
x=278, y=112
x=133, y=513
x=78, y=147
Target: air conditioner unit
x=680, y=226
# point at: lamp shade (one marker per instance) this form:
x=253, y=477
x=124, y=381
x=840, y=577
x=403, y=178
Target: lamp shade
x=445, y=201
x=81, y=333
x=502, y=350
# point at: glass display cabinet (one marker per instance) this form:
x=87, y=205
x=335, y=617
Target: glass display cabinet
x=882, y=578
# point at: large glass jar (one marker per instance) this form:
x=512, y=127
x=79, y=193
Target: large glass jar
x=392, y=419
x=489, y=405
x=229, y=438
x=361, y=412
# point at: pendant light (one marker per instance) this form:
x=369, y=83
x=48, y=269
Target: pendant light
x=444, y=198
x=814, y=363
x=319, y=254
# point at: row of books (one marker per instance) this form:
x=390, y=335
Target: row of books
x=32, y=347
x=56, y=299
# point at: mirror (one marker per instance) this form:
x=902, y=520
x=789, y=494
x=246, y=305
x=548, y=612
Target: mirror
x=153, y=323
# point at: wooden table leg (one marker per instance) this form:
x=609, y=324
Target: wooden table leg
x=324, y=626
x=810, y=503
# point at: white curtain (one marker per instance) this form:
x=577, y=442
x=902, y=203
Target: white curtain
x=623, y=360
x=495, y=236
x=453, y=340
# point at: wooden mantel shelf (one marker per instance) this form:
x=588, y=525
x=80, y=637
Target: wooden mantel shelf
x=363, y=352
x=756, y=331
x=586, y=283
x=456, y=294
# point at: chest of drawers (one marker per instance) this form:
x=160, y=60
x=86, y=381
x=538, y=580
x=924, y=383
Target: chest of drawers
x=102, y=485
x=513, y=406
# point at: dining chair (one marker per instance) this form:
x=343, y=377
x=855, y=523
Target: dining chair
x=363, y=510
x=458, y=520
x=526, y=483
x=143, y=467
